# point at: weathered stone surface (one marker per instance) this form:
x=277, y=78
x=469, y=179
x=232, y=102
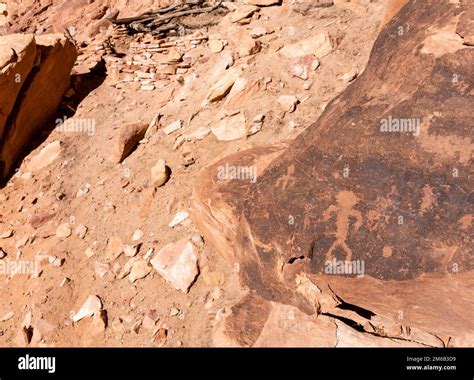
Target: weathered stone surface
x=288, y=103
x=139, y=270
x=223, y=86
x=256, y=322
x=216, y=46
x=287, y=326
x=45, y=156
x=392, y=9
x=173, y=127
x=114, y=248
x=63, y=231
x=302, y=66
x=178, y=264
x=248, y=46
x=160, y=173
x=262, y=3
x=91, y=306
x=3, y=13
x=231, y=128
x=353, y=188
x=129, y=137
x=243, y=325
x=348, y=337
x=198, y=134
x=41, y=329
x=319, y=45
x=243, y=12
x=41, y=92
x=17, y=56
x=242, y=92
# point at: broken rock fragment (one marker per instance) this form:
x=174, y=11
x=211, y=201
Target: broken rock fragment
x=160, y=173
x=23, y=338
x=6, y=234
x=248, y=46
x=114, y=248
x=80, y=231
x=198, y=134
x=91, y=306
x=243, y=12
x=216, y=46
x=350, y=75
x=319, y=45
x=41, y=328
x=179, y=218
x=129, y=137
x=137, y=235
x=7, y=316
x=130, y=251
x=303, y=66
x=178, y=264
x=288, y=102
x=139, y=270
x=230, y=128
x=99, y=322
x=223, y=85
x=45, y=157
x=63, y=231
x=173, y=127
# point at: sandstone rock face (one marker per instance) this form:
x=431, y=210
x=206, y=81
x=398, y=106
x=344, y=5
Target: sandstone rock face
x=35, y=74
x=260, y=323
x=372, y=204
x=392, y=9
x=17, y=56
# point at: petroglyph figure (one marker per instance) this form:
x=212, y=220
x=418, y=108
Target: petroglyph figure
x=288, y=179
x=346, y=200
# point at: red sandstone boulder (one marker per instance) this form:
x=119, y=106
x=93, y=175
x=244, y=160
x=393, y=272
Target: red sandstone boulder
x=372, y=205
x=35, y=78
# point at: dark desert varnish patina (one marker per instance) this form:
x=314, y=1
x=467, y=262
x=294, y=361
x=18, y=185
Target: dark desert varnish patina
x=357, y=186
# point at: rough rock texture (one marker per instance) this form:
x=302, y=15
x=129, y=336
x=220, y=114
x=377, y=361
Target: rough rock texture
x=392, y=9
x=45, y=157
x=78, y=14
x=17, y=56
x=260, y=323
x=353, y=188
x=3, y=13
x=44, y=77
x=178, y=264
x=130, y=136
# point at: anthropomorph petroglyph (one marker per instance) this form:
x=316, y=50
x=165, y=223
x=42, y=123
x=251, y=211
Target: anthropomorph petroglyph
x=346, y=200
x=287, y=179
